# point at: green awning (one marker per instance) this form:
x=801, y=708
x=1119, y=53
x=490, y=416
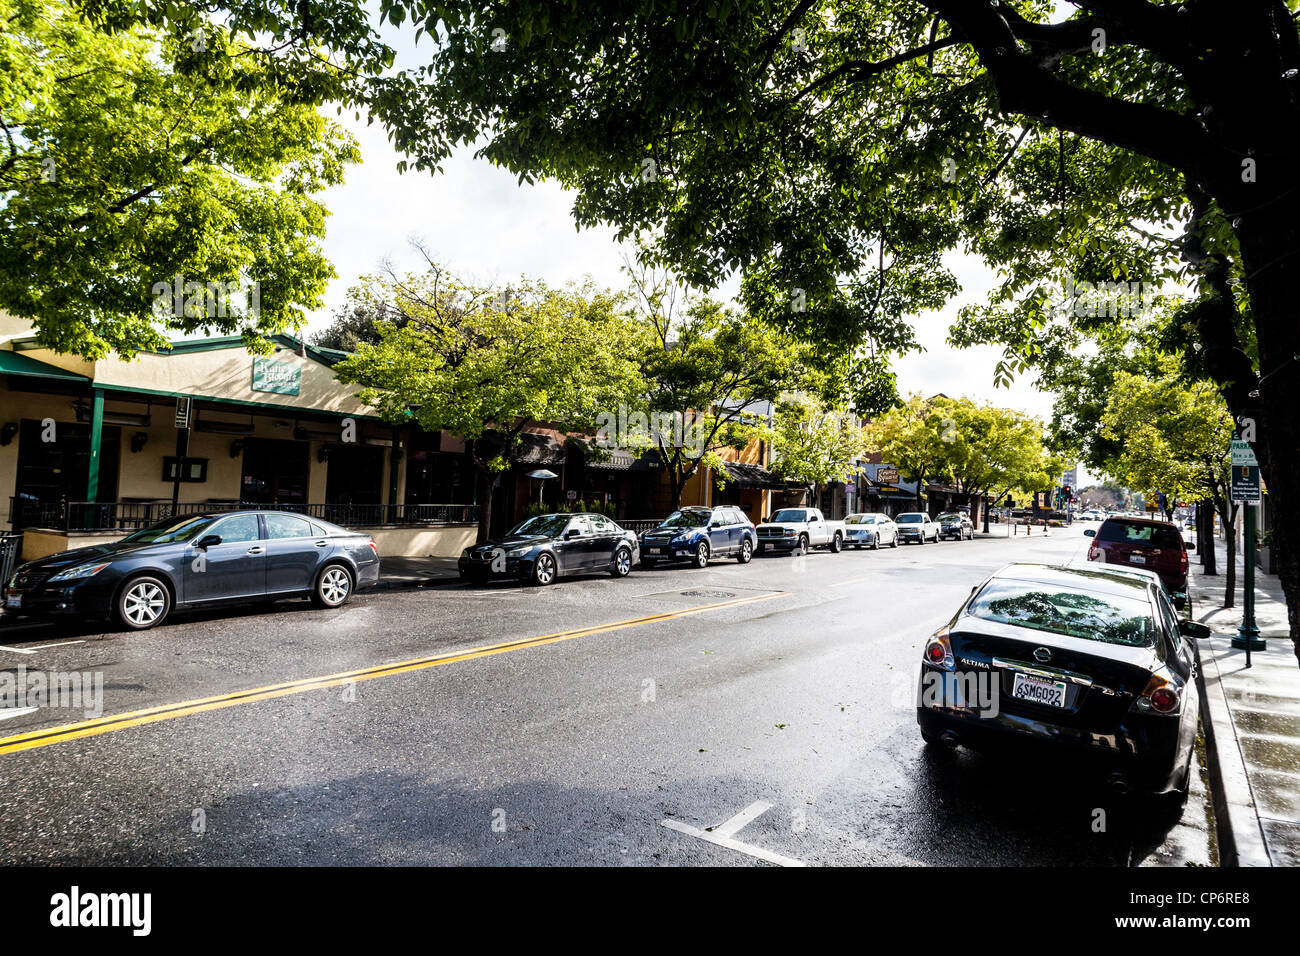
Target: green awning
x=15, y=363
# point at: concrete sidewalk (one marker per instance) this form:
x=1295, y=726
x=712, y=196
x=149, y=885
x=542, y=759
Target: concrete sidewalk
x=1252, y=721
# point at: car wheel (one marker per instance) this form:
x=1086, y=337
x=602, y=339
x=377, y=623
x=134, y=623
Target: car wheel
x=622, y=563
x=875, y=543
x=803, y=544
x=701, y=559
x=143, y=602
x=544, y=569
x=333, y=586
x=746, y=551
x=893, y=542
x=837, y=543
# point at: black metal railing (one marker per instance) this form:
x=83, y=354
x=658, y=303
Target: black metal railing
x=124, y=516
x=638, y=525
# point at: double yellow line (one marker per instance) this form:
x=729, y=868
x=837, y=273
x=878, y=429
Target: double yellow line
x=150, y=715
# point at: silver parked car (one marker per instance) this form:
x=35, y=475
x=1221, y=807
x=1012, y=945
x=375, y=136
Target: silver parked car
x=870, y=530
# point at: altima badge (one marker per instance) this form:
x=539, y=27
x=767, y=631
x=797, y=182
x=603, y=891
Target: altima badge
x=1042, y=655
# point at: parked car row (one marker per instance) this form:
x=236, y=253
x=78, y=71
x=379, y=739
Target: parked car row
x=547, y=547
x=192, y=561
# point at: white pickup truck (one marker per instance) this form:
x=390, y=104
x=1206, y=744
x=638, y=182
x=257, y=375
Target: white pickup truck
x=799, y=529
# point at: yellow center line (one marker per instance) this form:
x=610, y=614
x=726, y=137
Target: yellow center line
x=104, y=725
x=840, y=584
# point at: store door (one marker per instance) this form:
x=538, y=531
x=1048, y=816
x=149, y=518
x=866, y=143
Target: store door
x=53, y=468
x=275, y=472
x=354, y=484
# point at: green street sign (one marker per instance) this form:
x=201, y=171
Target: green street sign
x=280, y=378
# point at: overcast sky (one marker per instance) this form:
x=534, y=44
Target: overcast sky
x=485, y=227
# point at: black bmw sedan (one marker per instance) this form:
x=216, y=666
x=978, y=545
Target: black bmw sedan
x=542, y=548
x=194, y=560
x=1073, y=662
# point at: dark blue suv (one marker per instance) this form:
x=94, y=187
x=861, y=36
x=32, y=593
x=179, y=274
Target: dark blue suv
x=698, y=534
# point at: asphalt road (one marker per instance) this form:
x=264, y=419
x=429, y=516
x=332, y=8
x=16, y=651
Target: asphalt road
x=653, y=720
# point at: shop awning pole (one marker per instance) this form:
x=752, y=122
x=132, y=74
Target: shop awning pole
x=96, y=442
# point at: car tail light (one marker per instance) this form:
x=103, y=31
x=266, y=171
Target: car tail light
x=1160, y=696
x=938, y=651
x=1182, y=563
x=373, y=547
x=1094, y=553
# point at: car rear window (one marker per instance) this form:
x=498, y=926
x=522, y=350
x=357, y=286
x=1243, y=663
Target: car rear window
x=1147, y=535
x=1108, y=618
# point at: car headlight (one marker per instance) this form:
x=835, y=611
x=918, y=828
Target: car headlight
x=81, y=571
x=517, y=552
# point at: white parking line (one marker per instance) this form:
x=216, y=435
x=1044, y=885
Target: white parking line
x=39, y=647
x=723, y=834
x=7, y=712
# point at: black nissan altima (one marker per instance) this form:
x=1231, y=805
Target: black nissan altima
x=1074, y=661
x=194, y=560
x=540, y=549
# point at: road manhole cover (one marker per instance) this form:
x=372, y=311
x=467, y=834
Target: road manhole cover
x=708, y=594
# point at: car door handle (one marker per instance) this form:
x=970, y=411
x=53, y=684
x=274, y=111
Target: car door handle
x=322, y=544
x=255, y=550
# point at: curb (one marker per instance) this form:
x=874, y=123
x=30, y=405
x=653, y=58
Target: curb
x=1236, y=820
x=413, y=584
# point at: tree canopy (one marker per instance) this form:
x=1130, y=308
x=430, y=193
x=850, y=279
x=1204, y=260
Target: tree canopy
x=138, y=162
x=482, y=366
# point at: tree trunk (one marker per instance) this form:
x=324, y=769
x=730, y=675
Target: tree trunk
x=1269, y=237
x=1228, y=512
x=1205, y=537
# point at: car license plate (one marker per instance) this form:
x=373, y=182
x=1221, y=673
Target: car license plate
x=14, y=600
x=1039, y=690
x=1136, y=559
x=655, y=550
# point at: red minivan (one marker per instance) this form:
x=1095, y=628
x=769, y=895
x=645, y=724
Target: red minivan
x=1143, y=543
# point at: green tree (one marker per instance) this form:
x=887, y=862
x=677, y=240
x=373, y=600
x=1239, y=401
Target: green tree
x=811, y=444
x=1173, y=436
x=355, y=323
x=471, y=361
x=831, y=151
x=992, y=451
x=914, y=437
x=141, y=162
x=713, y=369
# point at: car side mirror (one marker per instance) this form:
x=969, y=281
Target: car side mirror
x=1193, y=629
x=1191, y=545
x=207, y=541
x=1089, y=532
x=571, y=533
